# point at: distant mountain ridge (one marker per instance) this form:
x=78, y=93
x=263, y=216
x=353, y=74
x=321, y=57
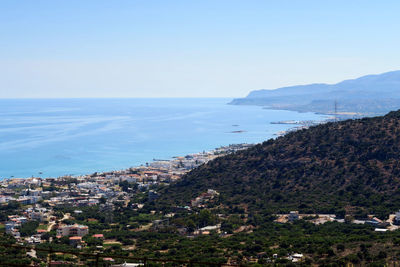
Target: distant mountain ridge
x=368, y=95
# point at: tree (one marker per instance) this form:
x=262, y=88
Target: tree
x=29, y=228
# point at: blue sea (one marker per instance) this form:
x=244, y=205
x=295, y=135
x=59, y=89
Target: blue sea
x=58, y=137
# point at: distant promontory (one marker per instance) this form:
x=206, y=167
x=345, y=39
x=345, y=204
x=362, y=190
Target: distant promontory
x=365, y=96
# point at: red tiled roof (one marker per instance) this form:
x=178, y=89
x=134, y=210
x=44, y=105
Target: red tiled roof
x=98, y=235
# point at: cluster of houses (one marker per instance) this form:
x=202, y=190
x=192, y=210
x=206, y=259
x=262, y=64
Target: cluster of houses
x=32, y=194
x=87, y=190
x=391, y=224
x=74, y=232
x=13, y=225
x=26, y=196
x=35, y=213
x=205, y=197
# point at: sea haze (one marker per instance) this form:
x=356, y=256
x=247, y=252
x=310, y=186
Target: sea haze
x=80, y=136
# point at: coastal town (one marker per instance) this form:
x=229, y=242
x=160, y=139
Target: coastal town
x=31, y=206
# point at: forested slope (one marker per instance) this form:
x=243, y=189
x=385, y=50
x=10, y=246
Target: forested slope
x=350, y=166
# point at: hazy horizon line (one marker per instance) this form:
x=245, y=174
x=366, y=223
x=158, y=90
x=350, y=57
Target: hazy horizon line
x=111, y=97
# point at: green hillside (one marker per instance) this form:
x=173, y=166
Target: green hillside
x=350, y=166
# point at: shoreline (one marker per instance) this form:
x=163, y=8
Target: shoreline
x=172, y=161
x=175, y=167
x=69, y=166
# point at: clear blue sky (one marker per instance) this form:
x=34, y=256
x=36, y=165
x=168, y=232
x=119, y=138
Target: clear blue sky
x=187, y=48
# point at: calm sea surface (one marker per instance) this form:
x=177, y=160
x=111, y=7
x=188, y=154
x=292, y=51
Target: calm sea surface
x=81, y=136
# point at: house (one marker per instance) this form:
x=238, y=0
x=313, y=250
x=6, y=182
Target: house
x=127, y=265
x=26, y=200
x=35, y=239
x=296, y=257
x=207, y=230
x=38, y=216
x=293, y=216
x=73, y=230
x=100, y=236
x=31, y=192
x=203, y=198
x=18, y=219
x=41, y=231
x=377, y=222
x=16, y=234
x=10, y=226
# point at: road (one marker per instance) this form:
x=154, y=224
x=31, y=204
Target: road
x=52, y=223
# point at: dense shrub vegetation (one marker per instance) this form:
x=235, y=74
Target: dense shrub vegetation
x=350, y=166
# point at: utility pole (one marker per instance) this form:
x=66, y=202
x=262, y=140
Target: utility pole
x=336, y=118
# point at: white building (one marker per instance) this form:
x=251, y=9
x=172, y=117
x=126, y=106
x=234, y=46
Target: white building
x=73, y=230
